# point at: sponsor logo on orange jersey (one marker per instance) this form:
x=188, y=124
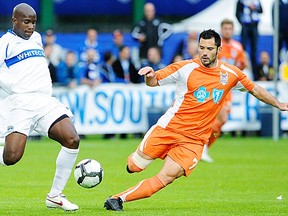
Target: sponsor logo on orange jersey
x=223, y=78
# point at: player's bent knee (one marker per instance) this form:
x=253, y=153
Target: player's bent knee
x=72, y=143
x=11, y=159
x=76, y=142
x=136, y=163
x=131, y=167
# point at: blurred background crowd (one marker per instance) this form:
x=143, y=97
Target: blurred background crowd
x=101, y=42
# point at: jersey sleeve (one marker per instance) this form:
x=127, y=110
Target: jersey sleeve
x=169, y=74
x=244, y=84
x=4, y=49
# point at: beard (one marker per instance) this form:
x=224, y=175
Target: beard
x=208, y=62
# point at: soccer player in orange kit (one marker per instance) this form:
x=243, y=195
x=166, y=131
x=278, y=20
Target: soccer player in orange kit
x=233, y=53
x=180, y=134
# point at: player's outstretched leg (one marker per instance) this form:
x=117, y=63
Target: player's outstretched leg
x=143, y=189
x=114, y=204
x=146, y=188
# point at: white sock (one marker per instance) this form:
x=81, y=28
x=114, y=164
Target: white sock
x=64, y=164
x=205, y=149
x=1, y=155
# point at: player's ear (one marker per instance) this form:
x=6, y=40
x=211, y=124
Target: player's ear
x=219, y=49
x=14, y=20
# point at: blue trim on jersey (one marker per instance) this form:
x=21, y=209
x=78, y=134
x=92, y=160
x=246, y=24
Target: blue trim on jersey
x=24, y=55
x=12, y=32
x=6, y=53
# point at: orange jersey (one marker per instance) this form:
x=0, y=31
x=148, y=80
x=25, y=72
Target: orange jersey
x=200, y=94
x=233, y=53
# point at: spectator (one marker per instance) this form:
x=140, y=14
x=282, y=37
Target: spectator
x=192, y=50
x=118, y=41
x=283, y=27
x=248, y=14
x=188, y=47
x=150, y=31
x=89, y=70
x=283, y=69
x=58, y=53
x=91, y=41
x=68, y=70
x=124, y=68
x=264, y=70
x=248, y=69
x=154, y=59
x=52, y=69
x=176, y=58
x=108, y=76
x=106, y=70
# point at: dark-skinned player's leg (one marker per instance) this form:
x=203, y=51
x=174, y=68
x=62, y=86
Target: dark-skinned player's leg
x=64, y=132
x=13, y=149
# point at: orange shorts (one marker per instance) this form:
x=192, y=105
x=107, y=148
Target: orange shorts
x=158, y=143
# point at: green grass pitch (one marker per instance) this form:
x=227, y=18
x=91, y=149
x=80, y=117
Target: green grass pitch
x=246, y=178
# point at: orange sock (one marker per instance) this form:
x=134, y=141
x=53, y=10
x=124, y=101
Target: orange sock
x=216, y=132
x=143, y=189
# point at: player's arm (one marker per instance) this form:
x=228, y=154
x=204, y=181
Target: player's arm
x=150, y=76
x=263, y=95
x=3, y=48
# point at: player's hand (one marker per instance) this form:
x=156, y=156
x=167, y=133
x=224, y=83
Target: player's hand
x=147, y=71
x=283, y=106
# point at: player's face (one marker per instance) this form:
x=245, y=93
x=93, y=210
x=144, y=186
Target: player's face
x=208, y=52
x=24, y=25
x=227, y=31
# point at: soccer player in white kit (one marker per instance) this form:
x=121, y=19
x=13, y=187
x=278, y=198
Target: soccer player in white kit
x=29, y=106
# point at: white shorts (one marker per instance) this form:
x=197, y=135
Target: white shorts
x=27, y=112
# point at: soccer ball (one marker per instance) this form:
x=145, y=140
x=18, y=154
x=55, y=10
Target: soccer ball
x=88, y=173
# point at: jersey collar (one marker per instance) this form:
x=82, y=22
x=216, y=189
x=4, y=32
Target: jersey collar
x=11, y=31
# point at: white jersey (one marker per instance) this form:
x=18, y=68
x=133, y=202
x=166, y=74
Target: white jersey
x=23, y=67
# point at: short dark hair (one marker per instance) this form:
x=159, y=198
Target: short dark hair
x=210, y=33
x=122, y=47
x=107, y=56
